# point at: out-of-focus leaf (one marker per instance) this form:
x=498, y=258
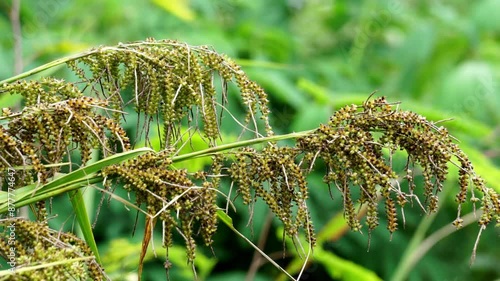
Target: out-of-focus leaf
x=334, y=229
x=337, y=267
x=342, y=269
x=263, y=64
x=121, y=259
x=8, y=100
x=227, y=220
x=470, y=92
x=319, y=93
x=418, y=45
x=309, y=117
x=231, y=276
x=65, y=47
x=280, y=87
x=485, y=15
x=179, y=8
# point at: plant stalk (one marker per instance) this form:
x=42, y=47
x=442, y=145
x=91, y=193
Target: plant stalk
x=61, y=185
x=229, y=146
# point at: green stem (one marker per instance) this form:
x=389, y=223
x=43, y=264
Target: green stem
x=60, y=61
x=120, y=47
x=229, y=146
x=406, y=263
x=409, y=260
x=47, y=66
x=78, y=203
x=87, y=176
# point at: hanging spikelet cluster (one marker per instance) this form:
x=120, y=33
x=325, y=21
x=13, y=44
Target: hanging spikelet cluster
x=172, y=80
x=176, y=86
x=170, y=83
x=354, y=157
x=357, y=146
x=56, y=120
x=25, y=243
x=273, y=175
x=171, y=196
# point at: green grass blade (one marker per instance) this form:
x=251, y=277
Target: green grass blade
x=227, y=220
x=71, y=181
x=78, y=204
x=343, y=269
x=8, y=272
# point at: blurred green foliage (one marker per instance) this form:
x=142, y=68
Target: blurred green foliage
x=440, y=58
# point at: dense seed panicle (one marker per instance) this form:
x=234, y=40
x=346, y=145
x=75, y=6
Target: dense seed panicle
x=352, y=144
x=183, y=90
x=36, y=244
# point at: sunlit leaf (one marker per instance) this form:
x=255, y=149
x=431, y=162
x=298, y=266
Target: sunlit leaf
x=179, y=8
x=342, y=269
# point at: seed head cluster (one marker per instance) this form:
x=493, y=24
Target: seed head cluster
x=171, y=195
x=273, y=175
x=179, y=86
x=56, y=120
x=36, y=244
x=354, y=145
x=172, y=80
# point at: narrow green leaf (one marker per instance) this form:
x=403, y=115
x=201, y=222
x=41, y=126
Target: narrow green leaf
x=179, y=9
x=225, y=218
x=78, y=203
x=341, y=269
x=9, y=272
x=95, y=167
x=74, y=180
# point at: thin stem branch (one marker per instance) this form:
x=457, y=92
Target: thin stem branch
x=225, y=147
x=46, y=66
x=412, y=259
x=16, y=32
x=413, y=253
x=90, y=179
x=120, y=47
x=257, y=258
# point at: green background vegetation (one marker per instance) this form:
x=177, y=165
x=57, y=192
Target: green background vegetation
x=440, y=58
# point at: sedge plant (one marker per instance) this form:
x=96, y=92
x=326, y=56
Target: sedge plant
x=180, y=92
